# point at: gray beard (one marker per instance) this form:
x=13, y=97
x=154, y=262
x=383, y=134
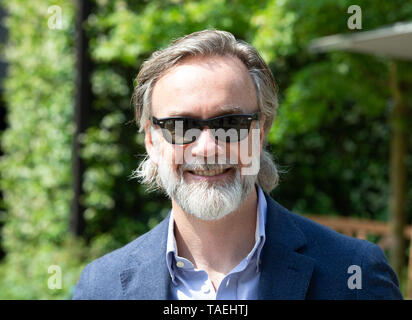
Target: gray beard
x=206, y=201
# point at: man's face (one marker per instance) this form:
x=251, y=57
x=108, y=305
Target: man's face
x=204, y=88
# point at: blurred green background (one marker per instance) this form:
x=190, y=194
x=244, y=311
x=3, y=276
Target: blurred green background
x=331, y=138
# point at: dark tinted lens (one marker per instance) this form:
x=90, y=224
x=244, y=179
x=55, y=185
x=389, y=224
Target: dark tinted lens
x=235, y=128
x=169, y=131
x=180, y=131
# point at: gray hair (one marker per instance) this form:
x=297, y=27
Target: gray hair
x=207, y=43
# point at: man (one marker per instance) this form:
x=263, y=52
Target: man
x=206, y=104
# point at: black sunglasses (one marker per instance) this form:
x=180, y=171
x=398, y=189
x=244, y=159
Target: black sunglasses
x=227, y=128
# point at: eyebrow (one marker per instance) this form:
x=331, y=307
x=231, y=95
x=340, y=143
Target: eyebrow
x=223, y=110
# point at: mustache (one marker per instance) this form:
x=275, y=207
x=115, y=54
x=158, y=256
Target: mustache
x=204, y=165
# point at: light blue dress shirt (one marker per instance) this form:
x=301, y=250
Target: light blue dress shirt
x=241, y=283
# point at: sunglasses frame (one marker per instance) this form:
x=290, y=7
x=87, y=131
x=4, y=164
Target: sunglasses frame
x=201, y=124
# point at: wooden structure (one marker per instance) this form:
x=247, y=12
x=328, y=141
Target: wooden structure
x=361, y=229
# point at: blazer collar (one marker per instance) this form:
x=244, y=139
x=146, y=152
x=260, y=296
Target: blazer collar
x=285, y=273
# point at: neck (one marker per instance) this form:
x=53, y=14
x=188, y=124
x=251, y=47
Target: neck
x=217, y=246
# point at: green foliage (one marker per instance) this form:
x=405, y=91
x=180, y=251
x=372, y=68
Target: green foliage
x=35, y=170
x=332, y=132
x=36, y=166
x=25, y=273
x=131, y=31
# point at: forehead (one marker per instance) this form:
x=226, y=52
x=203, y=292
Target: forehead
x=204, y=87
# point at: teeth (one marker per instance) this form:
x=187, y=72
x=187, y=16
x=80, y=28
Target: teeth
x=209, y=173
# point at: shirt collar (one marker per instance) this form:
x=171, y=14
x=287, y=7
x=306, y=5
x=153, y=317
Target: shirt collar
x=260, y=235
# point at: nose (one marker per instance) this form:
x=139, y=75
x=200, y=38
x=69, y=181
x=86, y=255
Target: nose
x=205, y=145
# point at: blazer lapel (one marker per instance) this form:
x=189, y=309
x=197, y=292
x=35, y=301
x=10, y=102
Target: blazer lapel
x=285, y=273
x=147, y=276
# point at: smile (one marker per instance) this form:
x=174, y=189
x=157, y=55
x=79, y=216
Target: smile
x=210, y=175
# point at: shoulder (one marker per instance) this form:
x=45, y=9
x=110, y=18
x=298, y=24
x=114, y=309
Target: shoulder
x=319, y=241
x=101, y=277
x=337, y=257
x=324, y=241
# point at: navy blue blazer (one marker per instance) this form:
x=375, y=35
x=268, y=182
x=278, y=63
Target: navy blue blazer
x=300, y=260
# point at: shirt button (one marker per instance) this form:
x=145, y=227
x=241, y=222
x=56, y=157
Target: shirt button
x=205, y=288
x=180, y=264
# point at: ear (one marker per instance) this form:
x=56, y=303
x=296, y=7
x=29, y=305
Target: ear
x=148, y=141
